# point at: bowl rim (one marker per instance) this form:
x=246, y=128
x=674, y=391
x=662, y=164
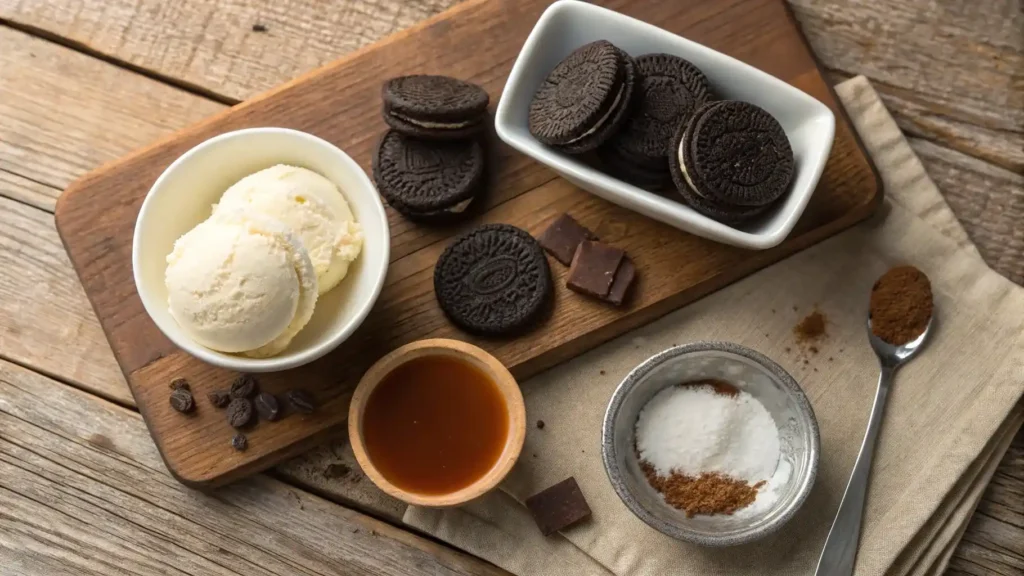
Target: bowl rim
x=478, y=357
x=615, y=475
x=689, y=221
x=284, y=360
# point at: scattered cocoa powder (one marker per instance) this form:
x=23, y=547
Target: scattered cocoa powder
x=811, y=328
x=709, y=493
x=901, y=305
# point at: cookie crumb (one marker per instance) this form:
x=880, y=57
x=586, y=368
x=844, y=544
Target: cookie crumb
x=540, y=424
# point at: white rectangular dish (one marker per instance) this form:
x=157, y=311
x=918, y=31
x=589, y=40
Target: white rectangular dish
x=569, y=24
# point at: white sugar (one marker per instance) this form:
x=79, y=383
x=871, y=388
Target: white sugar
x=694, y=429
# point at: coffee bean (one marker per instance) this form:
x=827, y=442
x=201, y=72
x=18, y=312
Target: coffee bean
x=219, y=398
x=240, y=442
x=239, y=412
x=244, y=386
x=181, y=400
x=267, y=406
x=301, y=401
x=180, y=384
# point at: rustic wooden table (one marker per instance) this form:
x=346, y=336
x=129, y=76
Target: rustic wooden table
x=82, y=489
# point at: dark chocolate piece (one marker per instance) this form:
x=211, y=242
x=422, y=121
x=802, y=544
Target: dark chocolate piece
x=562, y=238
x=244, y=386
x=240, y=442
x=301, y=401
x=180, y=384
x=267, y=406
x=623, y=281
x=593, y=268
x=182, y=401
x=558, y=507
x=219, y=398
x=239, y=412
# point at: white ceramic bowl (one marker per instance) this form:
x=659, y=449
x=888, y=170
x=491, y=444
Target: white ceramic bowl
x=182, y=197
x=567, y=25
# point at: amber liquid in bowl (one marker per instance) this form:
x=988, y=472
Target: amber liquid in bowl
x=435, y=425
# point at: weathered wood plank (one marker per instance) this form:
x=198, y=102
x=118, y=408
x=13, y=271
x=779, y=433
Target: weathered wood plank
x=952, y=73
x=46, y=322
x=83, y=491
x=910, y=95
x=63, y=113
x=214, y=44
x=987, y=199
x=949, y=70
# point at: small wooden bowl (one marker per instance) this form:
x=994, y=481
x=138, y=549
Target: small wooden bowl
x=466, y=352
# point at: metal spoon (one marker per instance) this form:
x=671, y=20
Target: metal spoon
x=841, y=546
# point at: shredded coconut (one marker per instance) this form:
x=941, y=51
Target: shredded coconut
x=693, y=429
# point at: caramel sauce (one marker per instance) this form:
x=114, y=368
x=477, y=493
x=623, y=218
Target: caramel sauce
x=435, y=425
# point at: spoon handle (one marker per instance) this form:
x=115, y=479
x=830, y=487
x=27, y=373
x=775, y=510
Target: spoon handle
x=840, y=550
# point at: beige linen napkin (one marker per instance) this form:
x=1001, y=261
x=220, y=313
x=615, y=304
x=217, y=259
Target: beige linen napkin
x=950, y=417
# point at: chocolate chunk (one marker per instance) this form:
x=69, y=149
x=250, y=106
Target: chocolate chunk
x=180, y=384
x=593, y=268
x=267, y=406
x=558, y=507
x=239, y=412
x=219, y=398
x=563, y=237
x=244, y=386
x=623, y=280
x=240, y=442
x=301, y=401
x=181, y=400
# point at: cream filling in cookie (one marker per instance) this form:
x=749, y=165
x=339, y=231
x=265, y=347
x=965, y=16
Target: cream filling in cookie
x=428, y=124
x=682, y=168
x=456, y=209
x=604, y=119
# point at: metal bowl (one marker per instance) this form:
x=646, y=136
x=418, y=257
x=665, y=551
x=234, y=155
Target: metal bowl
x=749, y=371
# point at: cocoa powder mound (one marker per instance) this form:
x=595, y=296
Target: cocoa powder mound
x=707, y=494
x=901, y=305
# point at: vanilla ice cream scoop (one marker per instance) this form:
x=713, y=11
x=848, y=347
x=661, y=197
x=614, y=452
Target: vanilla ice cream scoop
x=314, y=209
x=241, y=283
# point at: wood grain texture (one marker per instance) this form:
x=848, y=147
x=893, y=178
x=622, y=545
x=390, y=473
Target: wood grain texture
x=976, y=22
x=43, y=124
x=477, y=41
x=213, y=44
x=951, y=72
x=83, y=491
x=45, y=319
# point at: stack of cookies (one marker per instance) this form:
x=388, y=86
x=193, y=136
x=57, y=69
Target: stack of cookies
x=430, y=165
x=653, y=122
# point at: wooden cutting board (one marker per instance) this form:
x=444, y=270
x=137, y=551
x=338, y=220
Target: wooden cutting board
x=477, y=41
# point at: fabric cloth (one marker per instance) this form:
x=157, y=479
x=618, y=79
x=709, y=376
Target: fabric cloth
x=951, y=415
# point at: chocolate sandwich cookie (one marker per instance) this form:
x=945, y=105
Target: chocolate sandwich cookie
x=641, y=172
x=723, y=212
x=669, y=91
x=494, y=281
x=434, y=107
x=585, y=99
x=428, y=181
x=735, y=154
